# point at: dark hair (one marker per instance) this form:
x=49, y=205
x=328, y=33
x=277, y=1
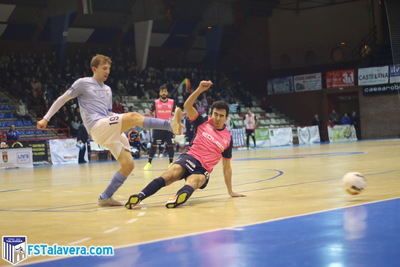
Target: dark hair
x=163, y=86
x=220, y=105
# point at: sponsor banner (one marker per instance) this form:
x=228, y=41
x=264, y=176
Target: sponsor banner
x=39, y=150
x=342, y=133
x=382, y=89
x=281, y=136
x=282, y=85
x=16, y=158
x=374, y=75
x=262, y=137
x=308, y=135
x=238, y=137
x=307, y=82
x=64, y=151
x=340, y=78
x=394, y=74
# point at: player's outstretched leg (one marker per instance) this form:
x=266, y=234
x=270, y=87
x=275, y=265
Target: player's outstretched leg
x=149, y=190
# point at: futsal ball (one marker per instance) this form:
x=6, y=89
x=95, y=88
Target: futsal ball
x=354, y=183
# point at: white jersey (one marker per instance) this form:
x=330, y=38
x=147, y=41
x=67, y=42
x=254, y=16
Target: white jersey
x=94, y=98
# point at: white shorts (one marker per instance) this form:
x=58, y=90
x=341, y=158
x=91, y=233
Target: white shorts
x=107, y=132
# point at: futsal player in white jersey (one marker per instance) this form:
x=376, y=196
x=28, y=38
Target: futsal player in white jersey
x=107, y=128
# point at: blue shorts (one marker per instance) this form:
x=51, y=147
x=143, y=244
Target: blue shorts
x=192, y=166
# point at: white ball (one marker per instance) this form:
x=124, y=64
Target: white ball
x=354, y=183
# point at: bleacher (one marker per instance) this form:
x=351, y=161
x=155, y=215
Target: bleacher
x=26, y=128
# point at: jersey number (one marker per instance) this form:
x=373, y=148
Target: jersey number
x=113, y=120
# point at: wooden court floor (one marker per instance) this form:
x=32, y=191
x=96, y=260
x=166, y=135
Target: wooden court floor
x=58, y=204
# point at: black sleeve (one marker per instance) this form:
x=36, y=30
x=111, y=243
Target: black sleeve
x=153, y=106
x=199, y=120
x=227, y=154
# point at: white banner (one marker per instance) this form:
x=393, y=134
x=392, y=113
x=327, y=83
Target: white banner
x=16, y=158
x=238, y=137
x=64, y=151
x=308, y=82
x=282, y=85
x=373, y=76
x=395, y=74
x=308, y=135
x=342, y=133
x=281, y=136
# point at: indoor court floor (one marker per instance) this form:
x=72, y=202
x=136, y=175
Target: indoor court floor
x=295, y=212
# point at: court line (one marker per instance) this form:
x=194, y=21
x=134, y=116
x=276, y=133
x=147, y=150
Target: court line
x=80, y=241
x=56, y=209
x=230, y=228
x=111, y=230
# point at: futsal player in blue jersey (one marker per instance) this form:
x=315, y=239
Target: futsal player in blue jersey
x=105, y=127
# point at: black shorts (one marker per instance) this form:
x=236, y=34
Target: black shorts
x=192, y=166
x=162, y=136
x=249, y=131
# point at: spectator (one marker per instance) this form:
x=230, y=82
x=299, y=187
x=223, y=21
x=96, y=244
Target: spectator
x=12, y=135
x=317, y=122
x=22, y=111
x=82, y=138
x=345, y=120
x=333, y=118
x=355, y=120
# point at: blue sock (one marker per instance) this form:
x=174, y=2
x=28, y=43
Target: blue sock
x=187, y=189
x=117, y=180
x=154, y=123
x=152, y=188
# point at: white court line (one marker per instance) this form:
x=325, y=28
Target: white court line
x=111, y=230
x=227, y=228
x=140, y=214
x=131, y=220
x=79, y=241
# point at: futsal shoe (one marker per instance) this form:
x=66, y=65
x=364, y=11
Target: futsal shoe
x=176, y=124
x=133, y=201
x=177, y=200
x=148, y=166
x=108, y=202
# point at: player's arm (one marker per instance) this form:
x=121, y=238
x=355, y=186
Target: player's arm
x=42, y=124
x=227, y=167
x=191, y=112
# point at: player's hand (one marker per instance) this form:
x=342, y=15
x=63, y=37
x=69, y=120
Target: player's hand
x=234, y=194
x=42, y=124
x=205, y=85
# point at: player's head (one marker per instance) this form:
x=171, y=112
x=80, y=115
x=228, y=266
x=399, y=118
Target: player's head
x=163, y=92
x=101, y=66
x=219, y=114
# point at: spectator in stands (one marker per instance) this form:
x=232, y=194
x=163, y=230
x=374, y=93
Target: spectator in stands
x=22, y=111
x=333, y=118
x=145, y=138
x=345, y=120
x=355, y=120
x=117, y=107
x=250, y=122
x=82, y=139
x=12, y=135
x=74, y=126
